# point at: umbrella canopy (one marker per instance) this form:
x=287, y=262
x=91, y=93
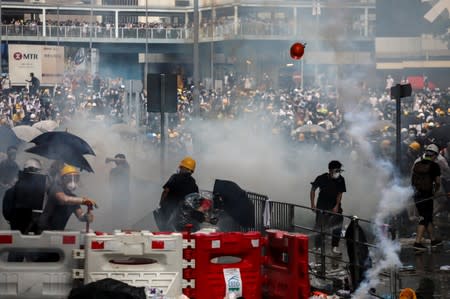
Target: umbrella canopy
x=46, y=125
x=440, y=135
x=7, y=138
x=310, y=129
x=62, y=152
x=55, y=139
x=26, y=133
x=236, y=202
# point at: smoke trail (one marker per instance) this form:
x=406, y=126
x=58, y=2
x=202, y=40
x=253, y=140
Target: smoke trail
x=393, y=199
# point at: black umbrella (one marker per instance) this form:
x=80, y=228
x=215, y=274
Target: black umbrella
x=440, y=135
x=236, y=202
x=7, y=138
x=64, y=138
x=62, y=152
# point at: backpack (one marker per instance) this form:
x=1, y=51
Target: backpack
x=421, y=178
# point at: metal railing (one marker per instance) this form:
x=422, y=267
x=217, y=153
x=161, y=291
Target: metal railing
x=86, y=31
x=283, y=216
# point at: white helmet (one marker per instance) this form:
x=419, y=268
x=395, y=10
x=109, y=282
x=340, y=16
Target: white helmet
x=33, y=165
x=432, y=148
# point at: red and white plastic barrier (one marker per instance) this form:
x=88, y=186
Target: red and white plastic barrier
x=33, y=277
x=286, y=266
x=207, y=278
x=139, y=259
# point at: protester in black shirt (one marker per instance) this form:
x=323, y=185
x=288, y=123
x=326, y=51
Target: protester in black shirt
x=177, y=187
x=62, y=202
x=332, y=186
x=35, y=84
x=23, y=203
x=426, y=180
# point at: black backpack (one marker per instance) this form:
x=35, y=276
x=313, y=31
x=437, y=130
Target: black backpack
x=421, y=177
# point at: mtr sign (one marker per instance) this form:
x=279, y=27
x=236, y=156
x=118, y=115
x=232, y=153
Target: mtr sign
x=25, y=56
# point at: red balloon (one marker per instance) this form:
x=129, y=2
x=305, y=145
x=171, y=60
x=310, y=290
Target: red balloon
x=297, y=50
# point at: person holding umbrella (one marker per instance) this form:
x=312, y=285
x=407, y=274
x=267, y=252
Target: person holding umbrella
x=62, y=201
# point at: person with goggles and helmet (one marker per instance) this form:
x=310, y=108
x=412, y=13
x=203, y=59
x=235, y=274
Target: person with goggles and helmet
x=62, y=201
x=176, y=188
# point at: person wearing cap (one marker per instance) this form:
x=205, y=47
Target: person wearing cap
x=426, y=181
x=62, y=201
x=332, y=186
x=119, y=179
x=177, y=187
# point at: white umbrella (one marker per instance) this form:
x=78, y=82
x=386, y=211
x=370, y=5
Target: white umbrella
x=46, y=125
x=26, y=133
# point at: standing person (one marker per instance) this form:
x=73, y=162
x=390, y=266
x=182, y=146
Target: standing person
x=332, y=186
x=119, y=179
x=425, y=180
x=177, y=187
x=35, y=84
x=62, y=202
x=23, y=203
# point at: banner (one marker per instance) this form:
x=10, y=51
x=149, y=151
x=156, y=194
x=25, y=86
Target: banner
x=23, y=60
x=52, y=64
x=46, y=62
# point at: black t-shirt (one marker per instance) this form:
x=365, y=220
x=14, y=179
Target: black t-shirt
x=56, y=215
x=180, y=185
x=329, y=189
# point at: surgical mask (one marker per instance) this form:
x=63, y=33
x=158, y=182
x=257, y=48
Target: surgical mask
x=71, y=186
x=336, y=175
x=412, y=136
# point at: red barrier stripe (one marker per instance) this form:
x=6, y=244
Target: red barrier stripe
x=157, y=244
x=69, y=239
x=6, y=239
x=97, y=245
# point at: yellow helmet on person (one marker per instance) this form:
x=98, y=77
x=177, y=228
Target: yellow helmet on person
x=408, y=293
x=188, y=163
x=69, y=169
x=415, y=146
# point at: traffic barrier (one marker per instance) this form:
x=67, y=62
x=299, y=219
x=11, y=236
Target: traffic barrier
x=44, y=268
x=220, y=264
x=286, y=265
x=136, y=258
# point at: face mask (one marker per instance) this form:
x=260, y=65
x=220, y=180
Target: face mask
x=71, y=186
x=412, y=136
x=336, y=175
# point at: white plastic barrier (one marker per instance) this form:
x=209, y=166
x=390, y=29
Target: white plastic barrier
x=29, y=279
x=140, y=259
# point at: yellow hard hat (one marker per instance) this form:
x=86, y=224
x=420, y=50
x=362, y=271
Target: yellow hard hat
x=415, y=146
x=68, y=169
x=188, y=163
x=408, y=294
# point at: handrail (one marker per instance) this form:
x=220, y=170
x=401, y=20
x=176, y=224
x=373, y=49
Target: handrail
x=222, y=31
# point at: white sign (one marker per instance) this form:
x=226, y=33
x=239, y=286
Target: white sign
x=46, y=62
x=23, y=60
x=233, y=283
x=437, y=10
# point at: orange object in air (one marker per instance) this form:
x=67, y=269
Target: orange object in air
x=297, y=50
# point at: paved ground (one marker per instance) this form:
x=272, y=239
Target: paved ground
x=424, y=272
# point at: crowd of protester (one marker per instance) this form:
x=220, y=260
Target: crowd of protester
x=303, y=117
